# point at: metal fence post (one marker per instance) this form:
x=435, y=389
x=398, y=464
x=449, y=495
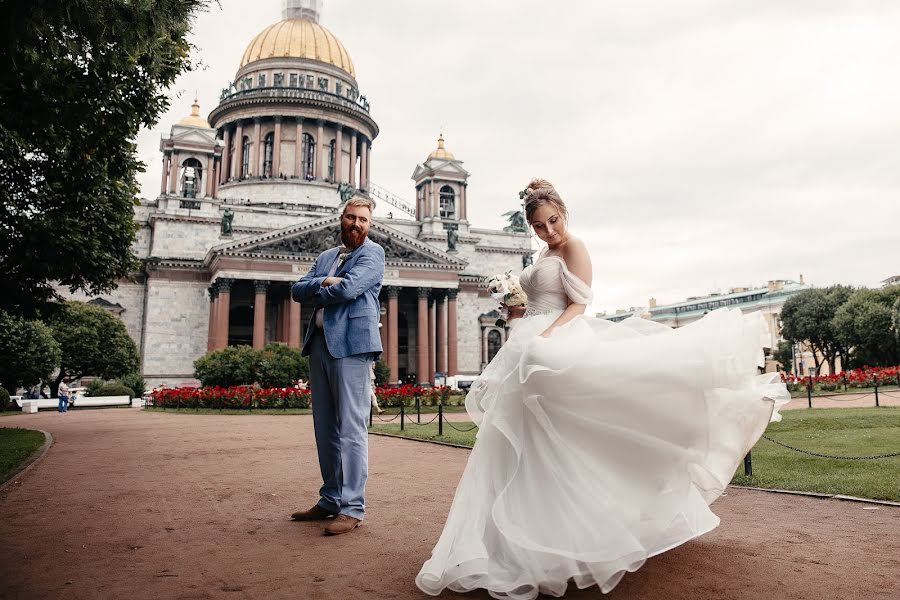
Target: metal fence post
x=875, y=378
x=809, y=391
x=748, y=465
x=440, y=419
x=371, y=410
x=845, y=381
x=418, y=409
x=402, y=415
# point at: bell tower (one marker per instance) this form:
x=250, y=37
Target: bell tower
x=441, y=183
x=301, y=9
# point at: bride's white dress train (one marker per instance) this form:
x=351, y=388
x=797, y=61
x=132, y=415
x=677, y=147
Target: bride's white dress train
x=600, y=446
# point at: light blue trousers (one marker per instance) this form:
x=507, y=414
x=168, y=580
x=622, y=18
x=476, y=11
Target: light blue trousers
x=341, y=403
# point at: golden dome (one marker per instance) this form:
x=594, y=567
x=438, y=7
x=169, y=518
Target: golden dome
x=441, y=152
x=298, y=38
x=194, y=119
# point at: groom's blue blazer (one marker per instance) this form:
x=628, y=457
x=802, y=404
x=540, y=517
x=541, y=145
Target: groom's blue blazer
x=351, y=308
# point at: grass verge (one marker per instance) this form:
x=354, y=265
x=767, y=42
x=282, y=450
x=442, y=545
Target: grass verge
x=16, y=445
x=835, y=431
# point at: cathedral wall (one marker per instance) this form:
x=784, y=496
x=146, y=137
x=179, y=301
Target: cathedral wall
x=469, y=307
x=177, y=330
x=184, y=239
x=277, y=191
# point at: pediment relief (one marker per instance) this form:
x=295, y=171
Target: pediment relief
x=192, y=135
x=308, y=240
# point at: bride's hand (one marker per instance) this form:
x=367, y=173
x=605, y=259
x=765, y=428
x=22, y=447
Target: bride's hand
x=515, y=312
x=547, y=332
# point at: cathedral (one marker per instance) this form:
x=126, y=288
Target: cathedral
x=251, y=194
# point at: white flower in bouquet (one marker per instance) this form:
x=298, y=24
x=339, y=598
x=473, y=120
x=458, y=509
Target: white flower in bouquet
x=506, y=289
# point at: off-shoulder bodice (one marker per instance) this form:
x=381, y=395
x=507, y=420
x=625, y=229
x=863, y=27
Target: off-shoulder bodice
x=550, y=286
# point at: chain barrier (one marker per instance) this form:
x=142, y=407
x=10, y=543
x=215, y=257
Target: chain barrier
x=411, y=422
x=831, y=456
x=452, y=426
x=397, y=416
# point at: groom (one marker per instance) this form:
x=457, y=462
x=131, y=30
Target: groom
x=341, y=342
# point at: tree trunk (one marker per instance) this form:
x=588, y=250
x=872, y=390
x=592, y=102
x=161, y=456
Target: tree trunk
x=54, y=384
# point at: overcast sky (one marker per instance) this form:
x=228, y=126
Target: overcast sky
x=699, y=144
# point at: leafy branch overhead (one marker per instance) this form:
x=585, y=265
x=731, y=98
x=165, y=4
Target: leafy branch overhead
x=80, y=80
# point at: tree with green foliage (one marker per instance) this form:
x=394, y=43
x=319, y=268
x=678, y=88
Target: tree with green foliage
x=865, y=324
x=234, y=365
x=382, y=373
x=28, y=352
x=80, y=79
x=93, y=342
x=807, y=317
x=784, y=355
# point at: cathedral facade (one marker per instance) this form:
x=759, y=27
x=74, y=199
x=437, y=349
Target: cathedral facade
x=250, y=195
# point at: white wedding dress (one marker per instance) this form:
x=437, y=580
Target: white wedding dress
x=599, y=446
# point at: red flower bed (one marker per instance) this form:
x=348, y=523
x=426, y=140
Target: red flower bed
x=242, y=396
x=406, y=395
x=856, y=378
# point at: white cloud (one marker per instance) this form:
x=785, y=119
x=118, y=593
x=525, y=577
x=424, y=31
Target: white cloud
x=699, y=144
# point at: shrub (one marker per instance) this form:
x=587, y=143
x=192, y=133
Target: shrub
x=280, y=366
x=382, y=373
x=93, y=387
x=135, y=381
x=4, y=399
x=228, y=367
x=115, y=389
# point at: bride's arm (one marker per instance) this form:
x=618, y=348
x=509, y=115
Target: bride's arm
x=578, y=261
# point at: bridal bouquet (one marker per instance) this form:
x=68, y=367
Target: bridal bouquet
x=505, y=289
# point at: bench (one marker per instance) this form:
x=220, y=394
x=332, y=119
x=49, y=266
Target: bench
x=32, y=406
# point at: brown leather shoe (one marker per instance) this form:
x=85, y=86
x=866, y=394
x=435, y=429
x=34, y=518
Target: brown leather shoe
x=342, y=524
x=316, y=513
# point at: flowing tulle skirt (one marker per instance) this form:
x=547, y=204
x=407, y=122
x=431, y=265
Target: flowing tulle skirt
x=598, y=448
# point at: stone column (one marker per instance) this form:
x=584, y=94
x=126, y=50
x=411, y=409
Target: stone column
x=431, y=346
x=222, y=311
x=210, y=174
x=368, y=164
x=422, y=377
x=383, y=329
x=259, y=314
x=285, y=318
x=226, y=155
x=211, y=336
x=254, y=151
x=452, y=356
x=322, y=162
x=461, y=210
x=353, y=159
x=298, y=149
x=276, y=149
x=293, y=323
x=173, y=172
x=238, y=152
x=165, y=173
x=218, y=175
x=364, y=165
x=441, y=322
x=339, y=155
x=484, y=345
x=393, y=333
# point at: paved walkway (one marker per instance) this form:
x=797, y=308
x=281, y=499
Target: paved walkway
x=135, y=505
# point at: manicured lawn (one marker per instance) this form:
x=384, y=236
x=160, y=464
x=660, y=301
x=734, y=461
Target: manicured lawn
x=835, y=431
x=16, y=445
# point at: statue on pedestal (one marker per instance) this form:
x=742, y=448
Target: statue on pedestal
x=517, y=222
x=227, y=218
x=346, y=191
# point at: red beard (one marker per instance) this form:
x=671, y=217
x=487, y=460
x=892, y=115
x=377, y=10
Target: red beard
x=352, y=237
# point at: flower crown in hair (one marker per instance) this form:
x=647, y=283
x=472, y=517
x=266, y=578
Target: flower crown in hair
x=525, y=192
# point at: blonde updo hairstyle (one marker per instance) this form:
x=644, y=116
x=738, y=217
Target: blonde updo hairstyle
x=539, y=193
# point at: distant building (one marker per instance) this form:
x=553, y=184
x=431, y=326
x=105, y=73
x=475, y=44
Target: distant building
x=893, y=280
x=767, y=300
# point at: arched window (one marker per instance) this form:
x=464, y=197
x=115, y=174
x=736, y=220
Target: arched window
x=331, y=148
x=309, y=157
x=268, y=154
x=494, y=343
x=245, y=158
x=448, y=203
x=191, y=176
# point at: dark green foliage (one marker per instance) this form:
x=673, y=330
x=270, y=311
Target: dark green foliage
x=784, y=356
x=80, y=80
x=807, y=317
x=93, y=342
x=28, y=352
x=234, y=365
x=5, y=402
x=94, y=386
x=276, y=365
x=135, y=381
x=114, y=389
x=865, y=323
x=382, y=373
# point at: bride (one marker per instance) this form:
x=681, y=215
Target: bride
x=600, y=444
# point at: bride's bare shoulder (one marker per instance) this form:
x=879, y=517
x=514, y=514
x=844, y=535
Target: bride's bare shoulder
x=577, y=258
